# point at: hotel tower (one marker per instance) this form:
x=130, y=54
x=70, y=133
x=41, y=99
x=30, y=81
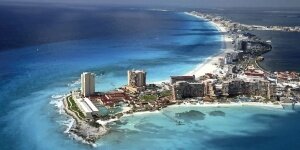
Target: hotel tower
x=87, y=84
x=136, y=78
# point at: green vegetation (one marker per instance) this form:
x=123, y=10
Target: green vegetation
x=165, y=93
x=73, y=107
x=148, y=97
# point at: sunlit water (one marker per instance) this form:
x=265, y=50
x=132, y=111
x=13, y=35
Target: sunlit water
x=42, y=59
x=203, y=128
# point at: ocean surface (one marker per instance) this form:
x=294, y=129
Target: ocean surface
x=213, y=128
x=43, y=50
x=285, y=55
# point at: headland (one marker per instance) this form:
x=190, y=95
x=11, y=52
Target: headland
x=229, y=78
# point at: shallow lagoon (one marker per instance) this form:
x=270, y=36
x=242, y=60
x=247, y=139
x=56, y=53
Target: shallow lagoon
x=38, y=68
x=236, y=127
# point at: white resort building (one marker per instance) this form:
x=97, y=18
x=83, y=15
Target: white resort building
x=87, y=84
x=87, y=107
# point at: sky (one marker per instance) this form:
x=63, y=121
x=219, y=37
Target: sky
x=171, y=3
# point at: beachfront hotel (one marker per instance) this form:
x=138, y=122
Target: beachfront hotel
x=185, y=89
x=136, y=78
x=87, y=84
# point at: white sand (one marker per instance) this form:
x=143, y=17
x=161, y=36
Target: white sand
x=125, y=109
x=141, y=113
x=256, y=104
x=207, y=104
x=106, y=121
x=210, y=64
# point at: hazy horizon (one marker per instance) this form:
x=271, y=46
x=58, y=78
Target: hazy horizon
x=163, y=4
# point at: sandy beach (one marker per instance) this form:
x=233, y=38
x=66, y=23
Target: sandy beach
x=232, y=104
x=210, y=64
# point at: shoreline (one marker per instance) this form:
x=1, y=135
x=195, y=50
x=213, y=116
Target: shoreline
x=231, y=104
x=209, y=65
x=82, y=130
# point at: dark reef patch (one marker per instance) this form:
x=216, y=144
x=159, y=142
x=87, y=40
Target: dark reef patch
x=191, y=115
x=217, y=113
x=148, y=127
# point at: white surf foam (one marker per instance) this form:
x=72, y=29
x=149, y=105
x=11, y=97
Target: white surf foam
x=58, y=103
x=74, y=83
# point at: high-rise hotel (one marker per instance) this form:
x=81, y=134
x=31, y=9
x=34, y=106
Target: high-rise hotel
x=87, y=84
x=136, y=78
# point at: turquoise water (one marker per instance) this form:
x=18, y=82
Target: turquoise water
x=44, y=50
x=44, y=55
x=227, y=128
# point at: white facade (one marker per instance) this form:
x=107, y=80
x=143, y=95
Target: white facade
x=91, y=105
x=87, y=84
x=87, y=107
x=84, y=107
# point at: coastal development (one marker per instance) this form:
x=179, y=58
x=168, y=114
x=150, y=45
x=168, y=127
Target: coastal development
x=235, y=26
x=231, y=78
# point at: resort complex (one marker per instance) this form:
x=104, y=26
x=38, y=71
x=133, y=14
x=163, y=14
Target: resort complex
x=233, y=77
x=150, y=75
x=249, y=85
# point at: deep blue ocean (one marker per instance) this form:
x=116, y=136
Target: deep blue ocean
x=43, y=50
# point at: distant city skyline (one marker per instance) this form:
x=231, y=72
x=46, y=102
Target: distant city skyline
x=169, y=3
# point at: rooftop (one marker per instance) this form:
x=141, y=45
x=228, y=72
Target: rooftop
x=90, y=105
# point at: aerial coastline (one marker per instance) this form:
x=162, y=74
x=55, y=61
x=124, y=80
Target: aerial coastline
x=167, y=75
x=211, y=66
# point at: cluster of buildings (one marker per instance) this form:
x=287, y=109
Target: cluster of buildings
x=82, y=97
x=88, y=100
x=213, y=88
x=237, y=27
x=114, y=97
x=249, y=43
x=276, y=28
x=252, y=82
x=85, y=105
x=287, y=76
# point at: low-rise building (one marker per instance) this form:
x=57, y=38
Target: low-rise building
x=87, y=107
x=289, y=76
x=113, y=98
x=251, y=71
